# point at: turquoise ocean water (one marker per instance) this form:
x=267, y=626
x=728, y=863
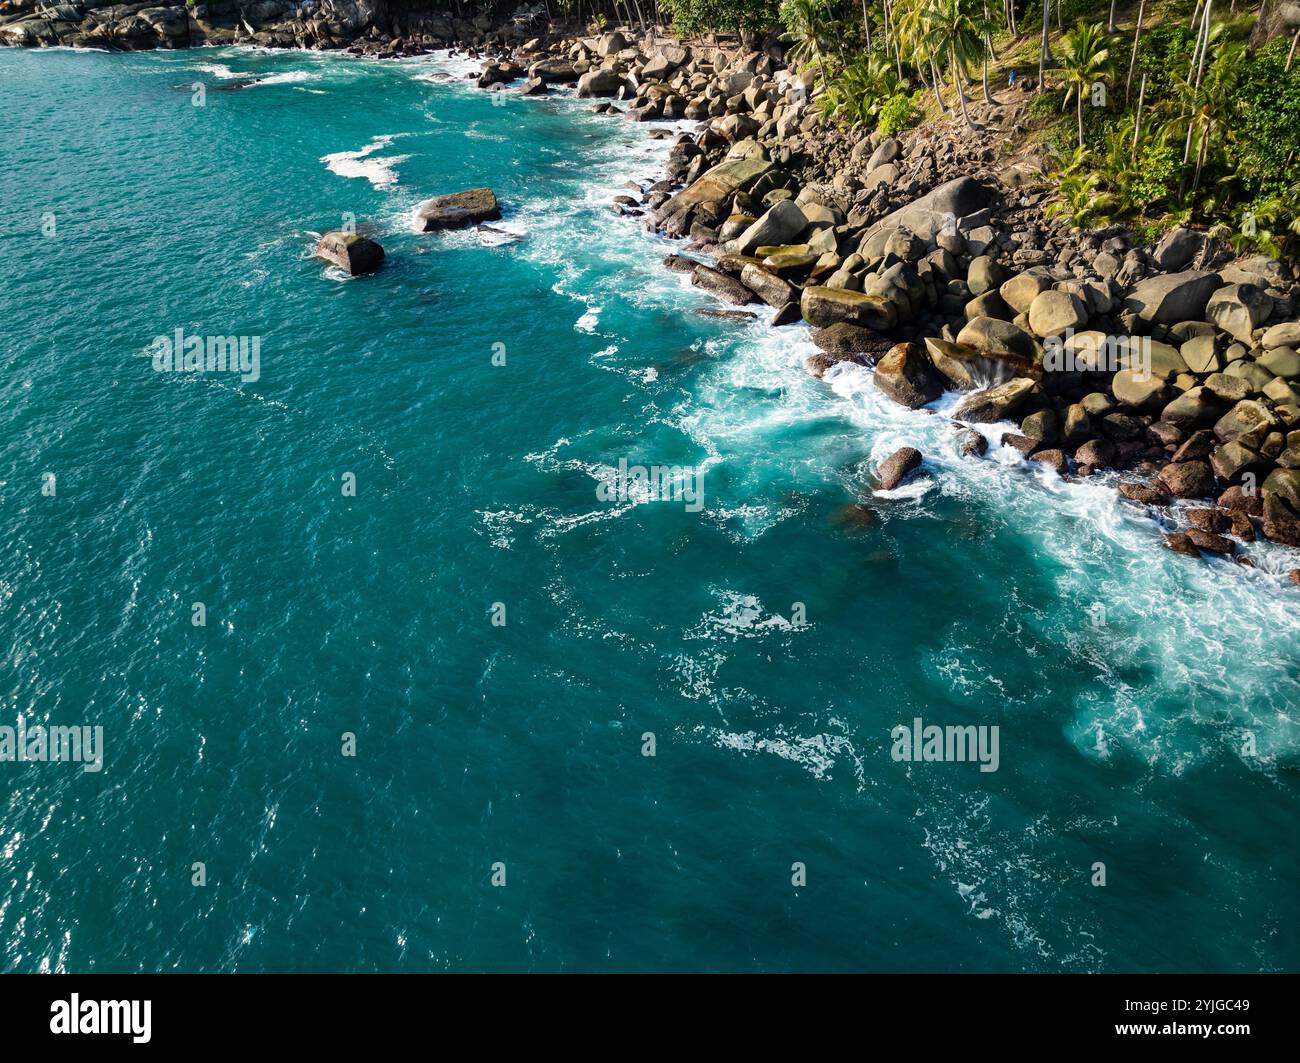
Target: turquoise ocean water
x=972, y=599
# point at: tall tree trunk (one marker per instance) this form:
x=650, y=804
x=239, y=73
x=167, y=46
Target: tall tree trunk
x=866, y=24
x=1132, y=63
x=1110, y=26
x=956, y=81
x=1200, y=163
x=1204, y=41
x=988, y=50
x=1042, y=52
x=1291, y=54
x=1137, y=124
x=1080, y=95
x=938, y=86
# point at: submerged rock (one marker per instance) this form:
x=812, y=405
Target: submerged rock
x=351, y=253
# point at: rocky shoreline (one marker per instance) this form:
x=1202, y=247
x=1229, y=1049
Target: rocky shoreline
x=927, y=255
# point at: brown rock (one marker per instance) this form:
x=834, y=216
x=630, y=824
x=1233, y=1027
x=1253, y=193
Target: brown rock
x=1054, y=459
x=1188, y=479
x=1280, y=524
x=1216, y=544
x=1181, y=543
x=721, y=285
x=898, y=467
x=1018, y=442
x=1235, y=499
x=1153, y=494
x=351, y=253
x=906, y=376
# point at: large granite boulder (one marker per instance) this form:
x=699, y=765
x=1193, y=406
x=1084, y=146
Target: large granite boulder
x=1000, y=403
x=999, y=338
x=1172, y=297
x=1239, y=309
x=968, y=368
x=906, y=376
x=898, y=467
x=352, y=253
x=939, y=208
x=458, y=210
x=600, y=82
x=717, y=185
x=823, y=307
x=780, y=225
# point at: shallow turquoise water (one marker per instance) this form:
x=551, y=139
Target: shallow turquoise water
x=972, y=601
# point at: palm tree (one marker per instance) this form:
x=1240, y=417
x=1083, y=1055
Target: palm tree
x=806, y=27
x=1213, y=103
x=1084, y=61
x=962, y=29
x=1044, y=53
x=924, y=37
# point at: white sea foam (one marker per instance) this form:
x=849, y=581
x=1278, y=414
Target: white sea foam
x=379, y=170
x=221, y=70
x=289, y=77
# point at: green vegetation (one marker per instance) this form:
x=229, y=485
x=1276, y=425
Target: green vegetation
x=701, y=16
x=1177, y=116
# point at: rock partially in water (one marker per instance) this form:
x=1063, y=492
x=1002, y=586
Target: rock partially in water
x=458, y=210
x=906, y=376
x=352, y=253
x=898, y=467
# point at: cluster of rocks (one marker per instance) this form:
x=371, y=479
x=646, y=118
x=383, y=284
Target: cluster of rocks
x=929, y=256
x=356, y=254
x=383, y=28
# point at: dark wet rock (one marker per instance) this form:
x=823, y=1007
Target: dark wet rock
x=1204, y=540
x=1210, y=520
x=721, y=285
x=1188, y=479
x=898, y=467
x=458, y=210
x=1053, y=459
x=906, y=376
x=1280, y=523
x=1181, y=543
x=1239, y=501
x=1015, y=441
x=971, y=444
x=843, y=340
x=352, y=253
x=681, y=263
x=787, y=315
x=1098, y=453
x=773, y=290
x=726, y=315
x=998, y=403
x=1152, y=494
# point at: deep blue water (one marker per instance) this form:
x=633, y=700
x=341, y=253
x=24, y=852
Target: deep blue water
x=972, y=599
